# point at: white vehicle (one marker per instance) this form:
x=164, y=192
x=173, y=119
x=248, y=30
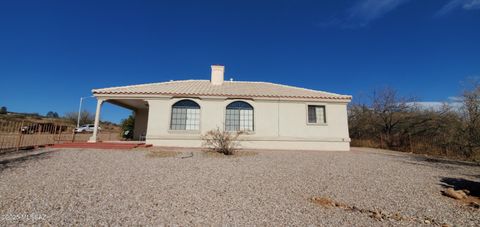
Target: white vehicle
x=86, y=128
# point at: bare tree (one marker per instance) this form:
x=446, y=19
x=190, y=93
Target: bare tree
x=470, y=131
x=395, y=122
x=361, y=121
x=390, y=111
x=85, y=117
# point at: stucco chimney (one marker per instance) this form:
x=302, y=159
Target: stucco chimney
x=217, y=74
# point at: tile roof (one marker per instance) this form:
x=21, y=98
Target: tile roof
x=232, y=89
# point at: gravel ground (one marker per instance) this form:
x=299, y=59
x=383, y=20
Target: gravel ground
x=109, y=187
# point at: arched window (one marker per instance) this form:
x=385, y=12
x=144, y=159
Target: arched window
x=239, y=117
x=185, y=115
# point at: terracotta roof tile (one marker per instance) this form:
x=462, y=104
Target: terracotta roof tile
x=227, y=89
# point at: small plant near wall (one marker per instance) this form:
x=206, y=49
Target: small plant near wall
x=221, y=141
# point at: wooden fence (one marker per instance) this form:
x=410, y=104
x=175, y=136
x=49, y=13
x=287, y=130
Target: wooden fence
x=15, y=135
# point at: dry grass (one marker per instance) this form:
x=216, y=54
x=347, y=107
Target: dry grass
x=419, y=147
x=364, y=143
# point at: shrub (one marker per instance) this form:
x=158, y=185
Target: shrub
x=221, y=141
x=128, y=124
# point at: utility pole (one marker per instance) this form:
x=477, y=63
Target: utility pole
x=80, y=109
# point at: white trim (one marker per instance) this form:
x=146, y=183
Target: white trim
x=325, y=114
x=193, y=132
x=216, y=97
x=251, y=103
x=249, y=138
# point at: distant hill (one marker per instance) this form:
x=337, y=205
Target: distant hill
x=37, y=118
x=32, y=117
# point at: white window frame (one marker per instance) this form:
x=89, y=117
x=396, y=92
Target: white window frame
x=229, y=101
x=325, y=115
x=187, y=131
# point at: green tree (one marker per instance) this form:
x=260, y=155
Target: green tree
x=128, y=124
x=3, y=110
x=52, y=114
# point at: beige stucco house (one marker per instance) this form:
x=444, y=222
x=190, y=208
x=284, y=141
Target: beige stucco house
x=274, y=116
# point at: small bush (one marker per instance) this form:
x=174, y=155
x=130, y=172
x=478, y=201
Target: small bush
x=221, y=141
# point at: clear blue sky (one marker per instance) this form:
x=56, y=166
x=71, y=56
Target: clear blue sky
x=53, y=52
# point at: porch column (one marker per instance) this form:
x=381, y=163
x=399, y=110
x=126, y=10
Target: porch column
x=93, y=138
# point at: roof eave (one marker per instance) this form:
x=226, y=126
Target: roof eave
x=342, y=99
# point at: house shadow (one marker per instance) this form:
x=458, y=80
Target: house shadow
x=476, y=176
x=440, y=163
x=435, y=160
x=20, y=161
x=461, y=184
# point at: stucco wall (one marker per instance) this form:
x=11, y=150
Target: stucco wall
x=141, y=121
x=277, y=125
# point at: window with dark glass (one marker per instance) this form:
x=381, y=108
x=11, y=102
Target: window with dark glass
x=316, y=114
x=185, y=116
x=239, y=117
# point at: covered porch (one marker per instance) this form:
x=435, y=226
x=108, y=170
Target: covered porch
x=139, y=107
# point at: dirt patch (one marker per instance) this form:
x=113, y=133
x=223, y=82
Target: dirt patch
x=17, y=159
x=376, y=214
x=327, y=202
x=240, y=153
x=160, y=153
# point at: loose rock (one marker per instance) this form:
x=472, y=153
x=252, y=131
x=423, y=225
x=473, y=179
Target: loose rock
x=456, y=194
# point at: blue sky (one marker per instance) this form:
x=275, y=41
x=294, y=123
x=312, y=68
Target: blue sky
x=53, y=52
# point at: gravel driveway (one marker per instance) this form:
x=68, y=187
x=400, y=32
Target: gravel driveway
x=109, y=187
